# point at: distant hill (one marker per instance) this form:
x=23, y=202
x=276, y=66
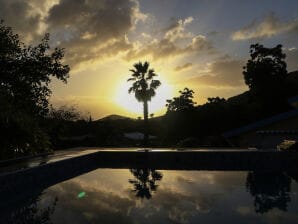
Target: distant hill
x=114, y=117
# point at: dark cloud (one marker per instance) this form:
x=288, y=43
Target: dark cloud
x=22, y=16
x=92, y=29
x=88, y=29
x=222, y=74
x=270, y=26
x=182, y=67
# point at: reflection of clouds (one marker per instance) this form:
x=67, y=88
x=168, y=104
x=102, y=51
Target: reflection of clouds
x=108, y=180
x=182, y=197
x=275, y=216
x=97, y=206
x=180, y=207
x=245, y=210
x=201, y=181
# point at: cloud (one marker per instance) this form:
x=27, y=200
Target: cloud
x=98, y=206
x=164, y=48
x=270, y=26
x=183, y=67
x=93, y=29
x=177, y=31
x=176, y=40
x=25, y=17
x=87, y=29
x=221, y=74
x=291, y=59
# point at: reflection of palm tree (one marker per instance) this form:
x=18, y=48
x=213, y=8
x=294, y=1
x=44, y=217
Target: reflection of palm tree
x=270, y=190
x=144, y=86
x=145, y=182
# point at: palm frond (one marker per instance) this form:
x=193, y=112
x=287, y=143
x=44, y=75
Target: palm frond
x=145, y=67
x=150, y=74
x=130, y=90
x=154, y=84
x=131, y=79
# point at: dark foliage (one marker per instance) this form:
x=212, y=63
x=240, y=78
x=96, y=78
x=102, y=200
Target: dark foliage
x=270, y=190
x=145, y=182
x=183, y=102
x=266, y=70
x=25, y=75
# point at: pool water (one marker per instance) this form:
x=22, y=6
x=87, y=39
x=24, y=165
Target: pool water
x=163, y=196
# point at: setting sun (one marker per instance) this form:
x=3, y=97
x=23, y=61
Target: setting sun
x=129, y=103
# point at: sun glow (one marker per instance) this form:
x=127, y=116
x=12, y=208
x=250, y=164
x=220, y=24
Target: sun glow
x=129, y=103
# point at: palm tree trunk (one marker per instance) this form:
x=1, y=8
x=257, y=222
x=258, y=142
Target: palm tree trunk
x=145, y=123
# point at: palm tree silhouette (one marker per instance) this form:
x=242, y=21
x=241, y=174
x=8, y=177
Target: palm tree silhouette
x=143, y=86
x=145, y=182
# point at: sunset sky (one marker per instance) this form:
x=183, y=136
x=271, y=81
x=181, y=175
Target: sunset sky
x=200, y=44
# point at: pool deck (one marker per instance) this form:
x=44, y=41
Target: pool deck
x=40, y=173
x=135, y=156
x=11, y=166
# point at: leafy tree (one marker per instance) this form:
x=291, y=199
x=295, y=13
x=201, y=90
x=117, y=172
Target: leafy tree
x=143, y=86
x=25, y=75
x=26, y=72
x=183, y=102
x=266, y=70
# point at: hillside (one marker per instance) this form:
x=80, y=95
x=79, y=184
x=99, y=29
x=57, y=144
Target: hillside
x=113, y=117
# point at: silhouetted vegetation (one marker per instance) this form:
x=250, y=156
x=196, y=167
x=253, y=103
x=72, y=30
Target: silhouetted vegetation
x=27, y=208
x=144, y=86
x=182, y=103
x=266, y=70
x=31, y=214
x=269, y=88
x=25, y=75
x=67, y=127
x=270, y=190
x=145, y=182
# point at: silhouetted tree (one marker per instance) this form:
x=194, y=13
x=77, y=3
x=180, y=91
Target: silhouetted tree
x=266, y=70
x=215, y=100
x=270, y=190
x=183, y=102
x=145, y=182
x=25, y=75
x=143, y=86
x=65, y=113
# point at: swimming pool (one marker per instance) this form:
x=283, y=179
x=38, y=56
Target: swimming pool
x=144, y=195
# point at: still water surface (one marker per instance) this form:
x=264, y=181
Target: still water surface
x=151, y=196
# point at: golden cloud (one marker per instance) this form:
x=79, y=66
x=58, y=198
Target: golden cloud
x=221, y=74
x=270, y=26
